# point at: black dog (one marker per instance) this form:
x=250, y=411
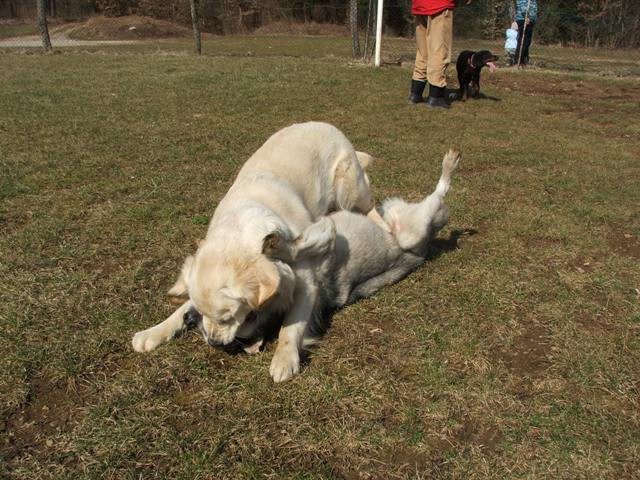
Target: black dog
x=469, y=65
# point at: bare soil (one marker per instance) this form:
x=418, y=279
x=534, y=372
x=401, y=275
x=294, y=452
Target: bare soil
x=130, y=27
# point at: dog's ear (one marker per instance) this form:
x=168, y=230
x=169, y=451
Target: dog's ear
x=179, y=292
x=268, y=283
x=365, y=160
x=276, y=247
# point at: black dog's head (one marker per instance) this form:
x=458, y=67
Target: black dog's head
x=192, y=319
x=251, y=344
x=482, y=58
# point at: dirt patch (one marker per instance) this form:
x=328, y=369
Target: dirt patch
x=302, y=28
x=126, y=28
x=527, y=355
x=472, y=432
x=541, y=241
x=11, y=222
x=533, y=86
x=624, y=243
x=403, y=460
x=50, y=409
x=584, y=264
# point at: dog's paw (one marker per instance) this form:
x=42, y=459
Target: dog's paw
x=451, y=160
x=285, y=364
x=145, y=341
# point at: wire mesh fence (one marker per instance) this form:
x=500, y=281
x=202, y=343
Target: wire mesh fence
x=100, y=23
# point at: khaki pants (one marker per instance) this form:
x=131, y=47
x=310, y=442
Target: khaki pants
x=434, y=36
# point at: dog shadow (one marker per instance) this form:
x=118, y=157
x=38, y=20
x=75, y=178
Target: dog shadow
x=455, y=96
x=438, y=246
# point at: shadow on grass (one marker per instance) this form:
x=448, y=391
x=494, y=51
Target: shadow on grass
x=441, y=245
x=454, y=96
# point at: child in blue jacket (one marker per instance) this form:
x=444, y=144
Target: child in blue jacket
x=511, y=43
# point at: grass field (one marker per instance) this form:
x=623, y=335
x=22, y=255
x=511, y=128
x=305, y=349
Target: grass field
x=17, y=29
x=513, y=353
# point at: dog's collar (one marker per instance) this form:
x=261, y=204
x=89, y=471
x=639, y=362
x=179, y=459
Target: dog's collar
x=470, y=62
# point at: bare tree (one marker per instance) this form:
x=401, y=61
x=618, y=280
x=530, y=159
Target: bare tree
x=196, y=27
x=42, y=24
x=353, y=23
x=368, y=32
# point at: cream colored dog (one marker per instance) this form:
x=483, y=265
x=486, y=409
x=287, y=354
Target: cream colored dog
x=300, y=174
x=359, y=261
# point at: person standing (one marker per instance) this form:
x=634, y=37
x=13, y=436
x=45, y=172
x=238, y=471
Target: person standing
x=434, y=36
x=526, y=16
x=511, y=43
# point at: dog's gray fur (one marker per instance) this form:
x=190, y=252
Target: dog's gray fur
x=364, y=257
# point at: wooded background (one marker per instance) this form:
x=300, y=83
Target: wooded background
x=600, y=23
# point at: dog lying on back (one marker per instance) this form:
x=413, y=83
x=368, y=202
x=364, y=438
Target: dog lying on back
x=469, y=66
x=361, y=259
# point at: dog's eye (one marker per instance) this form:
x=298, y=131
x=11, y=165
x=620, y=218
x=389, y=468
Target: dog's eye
x=226, y=318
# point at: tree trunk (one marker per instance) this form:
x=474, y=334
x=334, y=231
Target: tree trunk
x=353, y=22
x=196, y=28
x=367, y=33
x=42, y=24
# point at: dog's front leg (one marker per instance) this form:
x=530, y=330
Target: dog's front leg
x=286, y=360
x=476, y=86
x=149, y=339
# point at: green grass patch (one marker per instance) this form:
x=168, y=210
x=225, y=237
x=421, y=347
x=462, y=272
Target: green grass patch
x=514, y=355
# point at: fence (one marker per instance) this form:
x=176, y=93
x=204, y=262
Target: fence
x=597, y=23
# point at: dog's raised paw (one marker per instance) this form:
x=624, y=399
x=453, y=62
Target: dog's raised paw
x=451, y=160
x=284, y=365
x=145, y=341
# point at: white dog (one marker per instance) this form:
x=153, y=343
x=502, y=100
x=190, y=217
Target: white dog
x=364, y=257
x=300, y=174
x=358, y=261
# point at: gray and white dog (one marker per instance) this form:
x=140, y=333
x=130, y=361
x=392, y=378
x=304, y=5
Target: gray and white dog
x=352, y=257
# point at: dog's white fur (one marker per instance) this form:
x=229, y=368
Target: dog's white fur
x=365, y=258
x=300, y=174
x=346, y=256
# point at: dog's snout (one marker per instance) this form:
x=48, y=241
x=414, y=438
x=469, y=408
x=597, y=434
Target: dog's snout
x=192, y=318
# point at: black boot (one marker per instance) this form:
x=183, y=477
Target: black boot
x=436, y=98
x=417, y=87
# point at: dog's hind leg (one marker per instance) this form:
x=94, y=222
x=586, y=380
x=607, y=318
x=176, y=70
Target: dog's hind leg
x=412, y=223
x=353, y=191
x=149, y=339
x=404, y=265
x=449, y=164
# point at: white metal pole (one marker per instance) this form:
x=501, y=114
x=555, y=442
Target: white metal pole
x=378, y=32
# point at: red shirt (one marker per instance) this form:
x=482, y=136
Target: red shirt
x=431, y=7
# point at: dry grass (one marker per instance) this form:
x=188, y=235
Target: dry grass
x=512, y=355
x=301, y=28
x=130, y=27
